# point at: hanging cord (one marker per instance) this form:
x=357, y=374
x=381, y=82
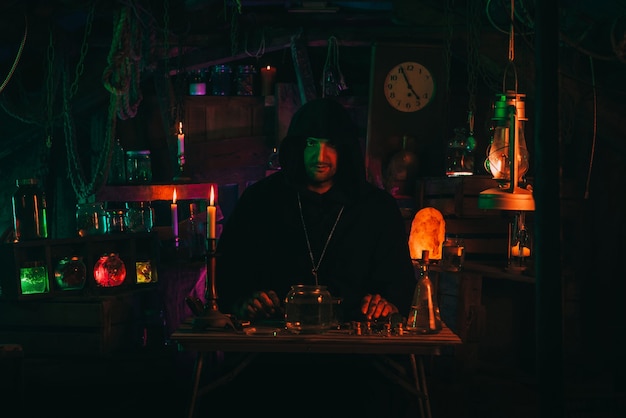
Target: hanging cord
x=333, y=81
x=595, y=126
x=511, y=56
x=17, y=56
x=260, y=50
x=122, y=74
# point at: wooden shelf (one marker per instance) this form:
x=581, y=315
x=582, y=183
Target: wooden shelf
x=152, y=192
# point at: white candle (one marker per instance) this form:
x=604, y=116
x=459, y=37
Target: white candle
x=211, y=214
x=181, y=139
x=174, y=209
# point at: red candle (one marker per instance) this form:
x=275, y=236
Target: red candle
x=268, y=78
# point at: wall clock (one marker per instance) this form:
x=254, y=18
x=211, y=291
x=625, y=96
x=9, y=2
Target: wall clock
x=409, y=87
x=406, y=116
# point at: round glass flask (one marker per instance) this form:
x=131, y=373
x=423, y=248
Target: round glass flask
x=308, y=309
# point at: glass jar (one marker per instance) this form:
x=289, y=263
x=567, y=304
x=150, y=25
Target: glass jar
x=90, y=219
x=308, y=309
x=245, y=80
x=116, y=220
x=70, y=273
x=197, y=83
x=220, y=80
x=138, y=167
x=139, y=216
x=29, y=211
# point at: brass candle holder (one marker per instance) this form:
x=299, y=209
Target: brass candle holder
x=211, y=317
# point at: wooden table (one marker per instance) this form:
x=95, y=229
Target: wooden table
x=273, y=339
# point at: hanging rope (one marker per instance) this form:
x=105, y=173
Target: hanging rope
x=17, y=56
x=83, y=187
x=121, y=76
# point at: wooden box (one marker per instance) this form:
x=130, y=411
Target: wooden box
x=131, y=248
x=95, y=326
x=484, y=231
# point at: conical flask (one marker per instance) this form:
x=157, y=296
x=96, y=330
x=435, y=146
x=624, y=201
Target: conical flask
x=424, y=316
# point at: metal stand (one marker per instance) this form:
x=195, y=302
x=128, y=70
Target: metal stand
x=181, y=176
x=211, y=317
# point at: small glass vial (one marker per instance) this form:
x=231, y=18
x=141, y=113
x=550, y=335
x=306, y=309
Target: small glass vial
x=308, y=309
x=29, y=211
x=138, y=167
x=244, y=80
x=117, y=170
x=221, y=80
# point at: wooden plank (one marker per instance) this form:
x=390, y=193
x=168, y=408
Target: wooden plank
x=153, y=192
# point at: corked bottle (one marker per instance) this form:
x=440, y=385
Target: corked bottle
x=424, y=316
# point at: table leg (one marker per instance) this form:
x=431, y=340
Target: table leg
x=196, y=383
x=419, y=376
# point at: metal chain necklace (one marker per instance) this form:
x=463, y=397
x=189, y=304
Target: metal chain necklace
x=308, y=242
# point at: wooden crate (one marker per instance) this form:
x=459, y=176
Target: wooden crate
x=484, y=231
x=455, y=196
x=96, y=326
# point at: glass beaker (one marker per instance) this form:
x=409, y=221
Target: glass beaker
x=308, y=309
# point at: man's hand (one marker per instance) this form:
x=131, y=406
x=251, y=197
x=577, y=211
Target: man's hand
x=262, y=304
x=374, y=307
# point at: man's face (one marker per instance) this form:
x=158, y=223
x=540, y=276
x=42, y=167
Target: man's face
x=320, y=162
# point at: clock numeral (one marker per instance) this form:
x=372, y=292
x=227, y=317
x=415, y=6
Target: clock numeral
x=392, y=94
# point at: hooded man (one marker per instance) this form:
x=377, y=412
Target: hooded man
x=316, y=221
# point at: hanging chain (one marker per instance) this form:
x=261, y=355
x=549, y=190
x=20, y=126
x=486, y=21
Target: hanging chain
x=50, y=93
x=473, y=46
x=315, y=267
x=234, y=25
x=80, y=67
x=511, y=55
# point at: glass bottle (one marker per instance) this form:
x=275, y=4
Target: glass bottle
x=117, y=170
x=196, y=233
x=460, y=150
x=138, y=167
x=424, y=316
x=245, y=80
x=308, y=309
x=221, y=80
x=29, y=211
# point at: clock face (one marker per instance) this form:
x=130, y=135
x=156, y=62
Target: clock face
x=409, y=87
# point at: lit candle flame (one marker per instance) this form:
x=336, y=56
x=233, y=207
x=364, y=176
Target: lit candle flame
x=180, y=128
x=174, y=196
x=212, y=197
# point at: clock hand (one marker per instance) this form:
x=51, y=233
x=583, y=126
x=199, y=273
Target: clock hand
x=408, y=84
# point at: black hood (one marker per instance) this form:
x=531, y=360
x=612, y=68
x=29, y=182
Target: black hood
x=328, y=119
